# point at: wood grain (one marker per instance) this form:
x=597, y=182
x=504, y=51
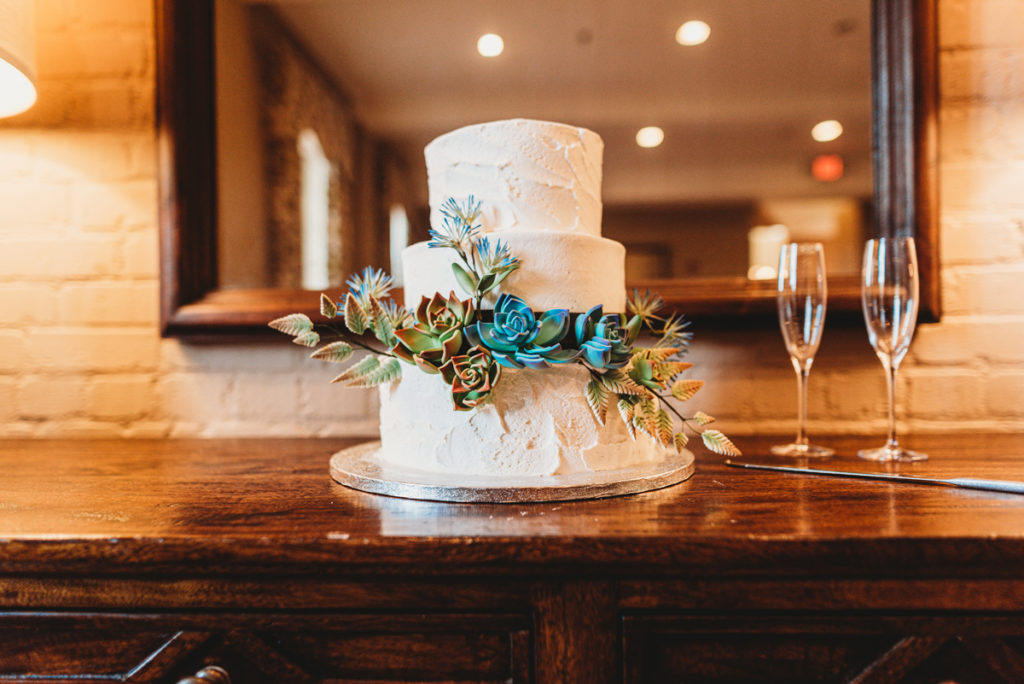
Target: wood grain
x=251, y=507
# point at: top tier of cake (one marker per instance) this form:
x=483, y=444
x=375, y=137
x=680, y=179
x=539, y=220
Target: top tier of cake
x=528, y=175
x=539, y=188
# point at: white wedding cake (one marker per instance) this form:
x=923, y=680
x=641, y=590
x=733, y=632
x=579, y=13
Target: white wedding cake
x=539, y=187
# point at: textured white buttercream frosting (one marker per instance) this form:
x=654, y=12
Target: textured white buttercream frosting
x=538, y=423
x=528, y=175
x=559, y=271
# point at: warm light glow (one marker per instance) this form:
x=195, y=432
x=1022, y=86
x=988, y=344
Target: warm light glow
x=762, y=272
x=490, y=45
x=763, y=244
x=827, y=130
x=827, y=168
x=17, y=56
x=16, y=90
x=398, y=230
x=693, y=33
x=650, y=136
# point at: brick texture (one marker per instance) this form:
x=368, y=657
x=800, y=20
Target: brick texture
x=80, y=354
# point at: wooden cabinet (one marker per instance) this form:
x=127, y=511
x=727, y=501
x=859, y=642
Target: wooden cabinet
x=149, y=561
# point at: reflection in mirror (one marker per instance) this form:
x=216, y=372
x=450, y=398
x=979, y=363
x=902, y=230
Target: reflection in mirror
x=323, y=110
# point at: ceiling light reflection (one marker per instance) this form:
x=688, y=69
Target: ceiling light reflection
x=650, y=136
x=490, y=45
x=693, y=33
x=826, y=131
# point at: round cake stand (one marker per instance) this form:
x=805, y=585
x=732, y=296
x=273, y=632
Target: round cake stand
x=360, y=467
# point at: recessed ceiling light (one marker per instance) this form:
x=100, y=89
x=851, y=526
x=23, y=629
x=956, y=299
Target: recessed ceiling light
x=490, y=45
x=693, y=33
x=827, y=130
x=650, y=136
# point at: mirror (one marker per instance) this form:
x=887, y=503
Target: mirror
x=317, y=100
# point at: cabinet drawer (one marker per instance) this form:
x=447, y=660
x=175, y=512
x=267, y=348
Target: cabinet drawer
x=823, y=648
x=52, y=647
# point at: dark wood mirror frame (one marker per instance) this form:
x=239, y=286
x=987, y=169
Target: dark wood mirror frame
x=904, y=59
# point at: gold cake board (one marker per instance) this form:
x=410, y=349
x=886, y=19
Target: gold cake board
x=360, y=467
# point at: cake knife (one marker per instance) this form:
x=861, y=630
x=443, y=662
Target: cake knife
x=961, y=482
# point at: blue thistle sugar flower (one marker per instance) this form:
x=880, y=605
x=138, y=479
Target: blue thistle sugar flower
x=494, y=260
x=674, y=333
x=453, y=233
x=517, y=339
x=458, y=228
x=644, y=305
x=372, y=283
x=398, y=315
x=467, y=213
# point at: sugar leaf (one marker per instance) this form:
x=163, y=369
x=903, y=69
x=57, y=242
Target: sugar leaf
x=358, y=370
x=383, y=328
x=663, y=425
x=390, y=370
x=719, y=443
x=620, y=383
x=680, y=440
x=327, y=306
x=703, y=418
x=292, y=324
x=685, y=389
x=355, y=317
x=465, y=279
x=626, y=408
x=597, y=398
x=310, y=338
x=335, y=352
x=657, y=353
x=670, y=369
x=645, y=418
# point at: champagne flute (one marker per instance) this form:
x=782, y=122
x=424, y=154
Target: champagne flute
x=889, y=297
x=801, y=300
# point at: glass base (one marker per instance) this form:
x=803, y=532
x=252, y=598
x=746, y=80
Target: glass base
x=891, y=453
x=802, y=450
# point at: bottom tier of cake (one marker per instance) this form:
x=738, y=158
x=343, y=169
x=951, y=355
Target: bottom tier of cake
x=538, y=423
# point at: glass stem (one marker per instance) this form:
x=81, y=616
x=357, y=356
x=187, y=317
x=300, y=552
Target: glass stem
x=801, y=398
x=890, y=386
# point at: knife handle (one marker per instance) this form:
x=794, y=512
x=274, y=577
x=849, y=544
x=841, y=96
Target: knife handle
x=990, y=485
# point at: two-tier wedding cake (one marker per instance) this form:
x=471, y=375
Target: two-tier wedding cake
x=539, y=188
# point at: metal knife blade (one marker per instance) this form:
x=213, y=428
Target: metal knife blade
x=1006, y=486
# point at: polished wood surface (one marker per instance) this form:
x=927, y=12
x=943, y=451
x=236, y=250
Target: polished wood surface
x=240, y=505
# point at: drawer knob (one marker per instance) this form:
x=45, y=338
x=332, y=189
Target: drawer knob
x=208, y=675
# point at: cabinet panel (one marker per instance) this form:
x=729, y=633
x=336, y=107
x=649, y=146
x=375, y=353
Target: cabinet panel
x=55, y=647
x=827, y=648
x=407, y=648
x=294, y=648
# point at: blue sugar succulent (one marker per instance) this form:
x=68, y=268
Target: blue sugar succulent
x=517, y=339
x=604, y=341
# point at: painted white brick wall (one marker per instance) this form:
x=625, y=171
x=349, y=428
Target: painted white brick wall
x=80, y=354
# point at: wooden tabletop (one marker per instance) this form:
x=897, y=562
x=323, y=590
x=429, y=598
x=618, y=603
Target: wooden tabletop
x=252, y=506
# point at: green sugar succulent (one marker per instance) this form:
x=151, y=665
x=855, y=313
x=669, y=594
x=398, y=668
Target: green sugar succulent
x=471, y=376
x=436, y=334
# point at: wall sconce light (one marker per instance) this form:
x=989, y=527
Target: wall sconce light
x=17, y=56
